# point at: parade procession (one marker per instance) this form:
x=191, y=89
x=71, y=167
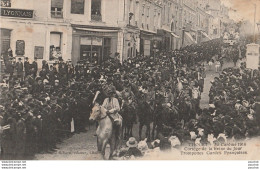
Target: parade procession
x=151, y=76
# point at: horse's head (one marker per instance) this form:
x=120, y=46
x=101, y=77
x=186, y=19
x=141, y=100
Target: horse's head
x=97, y=112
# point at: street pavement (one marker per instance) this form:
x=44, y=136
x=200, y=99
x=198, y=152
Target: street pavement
x=82, y=146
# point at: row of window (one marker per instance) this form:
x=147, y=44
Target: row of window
x=77, y=7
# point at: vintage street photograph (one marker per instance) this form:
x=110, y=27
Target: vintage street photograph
x=130, y=80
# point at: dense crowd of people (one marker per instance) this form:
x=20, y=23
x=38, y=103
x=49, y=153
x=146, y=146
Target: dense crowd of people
x=41, y=108
x=235, y=94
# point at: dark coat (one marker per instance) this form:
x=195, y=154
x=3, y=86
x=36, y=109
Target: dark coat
x=26, y=66
x=19, y=67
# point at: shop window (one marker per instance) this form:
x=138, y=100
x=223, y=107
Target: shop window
x=77, y=6
x=91, y=49
x=57, y=8
x=96, y=10
x=55, y=45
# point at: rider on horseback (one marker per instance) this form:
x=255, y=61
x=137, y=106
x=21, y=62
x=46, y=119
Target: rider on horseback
x=111, y=105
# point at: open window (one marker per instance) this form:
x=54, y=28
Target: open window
x=55, y=45
x=57, y=8
x=96, y=10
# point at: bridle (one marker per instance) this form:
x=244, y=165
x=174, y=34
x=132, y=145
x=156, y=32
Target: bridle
x=101, y=118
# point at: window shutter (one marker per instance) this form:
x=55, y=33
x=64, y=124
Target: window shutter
x=57, y=3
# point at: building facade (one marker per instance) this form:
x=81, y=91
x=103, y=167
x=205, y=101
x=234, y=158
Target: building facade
x=189, y=22
x=31, y=31
x=95, y=30
x=72, y=30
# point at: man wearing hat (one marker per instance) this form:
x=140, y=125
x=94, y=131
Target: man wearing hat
x=19, y=69
x=132, y=148
x=34, y=67
x=10, y=67
x=26, y=67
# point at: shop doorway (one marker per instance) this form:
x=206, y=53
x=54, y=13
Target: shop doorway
x=91, y=55
x=95, y=50
x=5, y=40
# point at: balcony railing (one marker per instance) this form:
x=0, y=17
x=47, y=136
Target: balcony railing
x=95, y=17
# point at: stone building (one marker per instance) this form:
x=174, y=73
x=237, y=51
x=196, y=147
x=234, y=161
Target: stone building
x=31, y=28
x=95, y=30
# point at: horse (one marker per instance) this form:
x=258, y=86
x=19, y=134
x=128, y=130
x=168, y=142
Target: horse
x=185, y=109
x=165, y=119
x=107, y=132
x=145, y=115
x=129, y=117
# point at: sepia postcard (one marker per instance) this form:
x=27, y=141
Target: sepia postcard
x=129, y=80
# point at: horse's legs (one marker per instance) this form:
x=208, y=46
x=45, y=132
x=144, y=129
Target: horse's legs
x=125, y=132
x=140, y=131
x=112, y=147
x=99, y=144
x=148, y=132
x=103, y=151
x=115, y=141
x=131, y=130
x=122, y=132
x=154, y=125
x=118, y=139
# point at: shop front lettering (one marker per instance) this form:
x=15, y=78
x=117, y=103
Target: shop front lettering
x=17, y=13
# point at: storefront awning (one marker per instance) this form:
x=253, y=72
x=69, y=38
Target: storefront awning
x=174, y=35
x=206, y=35
x=95, y=30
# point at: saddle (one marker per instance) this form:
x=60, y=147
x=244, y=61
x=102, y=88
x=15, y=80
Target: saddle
x=116, y=119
